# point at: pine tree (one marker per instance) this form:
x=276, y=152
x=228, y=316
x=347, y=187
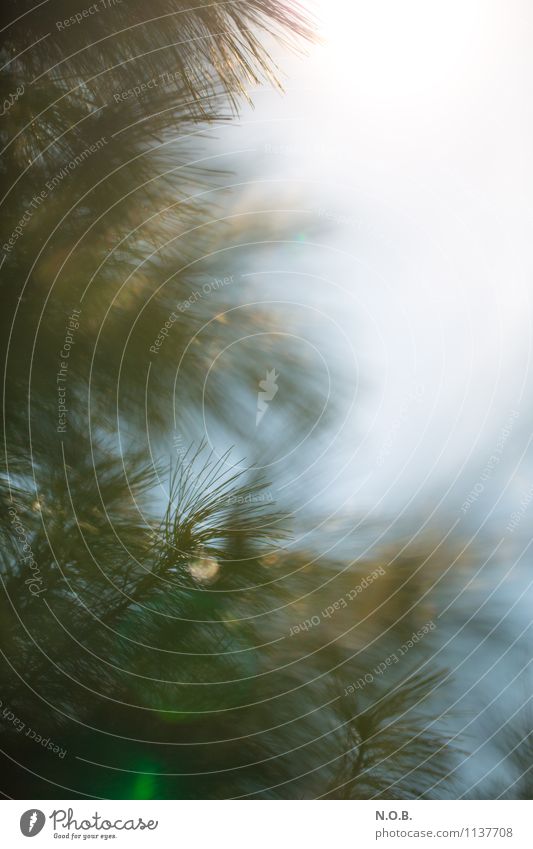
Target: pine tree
x=147, y=603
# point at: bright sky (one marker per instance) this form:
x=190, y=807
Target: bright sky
x=410, y=133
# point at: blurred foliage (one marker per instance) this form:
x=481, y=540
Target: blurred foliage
x=156, y=645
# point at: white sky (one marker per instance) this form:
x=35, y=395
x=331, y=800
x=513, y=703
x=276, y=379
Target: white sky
x=411, y=131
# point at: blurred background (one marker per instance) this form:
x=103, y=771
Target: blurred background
x=267, y=470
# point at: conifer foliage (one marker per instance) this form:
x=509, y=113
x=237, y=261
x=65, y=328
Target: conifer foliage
x=149, y=586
